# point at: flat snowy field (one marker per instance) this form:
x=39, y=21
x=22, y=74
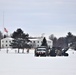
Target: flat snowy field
x=27, y=64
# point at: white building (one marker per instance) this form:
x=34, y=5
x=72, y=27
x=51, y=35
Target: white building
x=5, y=42
x=38, y=41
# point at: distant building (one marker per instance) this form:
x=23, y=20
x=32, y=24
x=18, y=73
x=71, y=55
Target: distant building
x=36, y=42
x=5, y=42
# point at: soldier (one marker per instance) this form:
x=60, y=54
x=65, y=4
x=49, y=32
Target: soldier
x=27, y=50
x=52, y=52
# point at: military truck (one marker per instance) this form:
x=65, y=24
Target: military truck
x=41, y=51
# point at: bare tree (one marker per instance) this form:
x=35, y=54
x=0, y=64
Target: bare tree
x=54, y=39
x=51, y=37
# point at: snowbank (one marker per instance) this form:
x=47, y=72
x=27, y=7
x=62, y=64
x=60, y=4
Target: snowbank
x=26, y=64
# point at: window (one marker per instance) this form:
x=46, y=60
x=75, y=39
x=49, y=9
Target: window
x=2, y=41
x=2, y=46
x=49, y=41
x=34, y=41
x=9, y=45
x=38, y=41
x=6, y=41
x=6, y=44
x=9, y=41
x=37, y=45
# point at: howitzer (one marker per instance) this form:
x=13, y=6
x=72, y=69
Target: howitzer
x=64, y=52
x=57, y=51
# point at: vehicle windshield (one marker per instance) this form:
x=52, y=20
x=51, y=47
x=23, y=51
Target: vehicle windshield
x=41, y=49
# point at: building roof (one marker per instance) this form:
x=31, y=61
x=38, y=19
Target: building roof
x=8, y=38
x=39, y=39
x=34, y=39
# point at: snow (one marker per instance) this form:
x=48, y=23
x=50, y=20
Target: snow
x=12, y=63
x=7, y=38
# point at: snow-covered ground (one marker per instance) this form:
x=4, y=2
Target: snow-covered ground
x=26, y=64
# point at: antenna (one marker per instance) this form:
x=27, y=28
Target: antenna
x=3, y=22
x=4, y=29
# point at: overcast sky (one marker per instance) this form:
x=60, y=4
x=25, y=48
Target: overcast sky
x=39, y=16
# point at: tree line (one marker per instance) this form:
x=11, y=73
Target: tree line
x=64, y=42
x=21, y=38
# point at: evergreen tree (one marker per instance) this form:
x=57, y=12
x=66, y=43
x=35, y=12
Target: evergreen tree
x=21, y=40
x=70, y=37
x=20, y=44
x=44, y=42
x=61, y=42
x=19, y=34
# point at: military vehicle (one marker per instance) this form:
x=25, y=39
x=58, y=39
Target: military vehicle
x=54, y=51
x=41, y=51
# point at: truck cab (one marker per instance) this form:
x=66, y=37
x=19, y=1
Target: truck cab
x=41, y=51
